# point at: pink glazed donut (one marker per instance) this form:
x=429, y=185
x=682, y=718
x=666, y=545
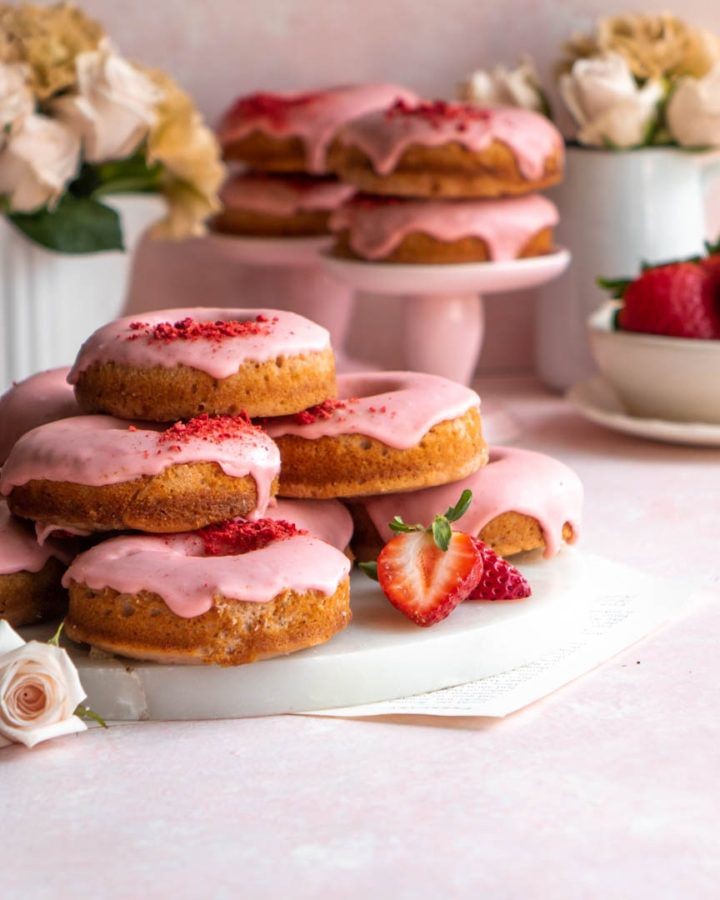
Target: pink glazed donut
x=291, y=132
x=522, y=500
x=178, y=363
x=388, y=431
x=224, y=595
x=97, y=473
x=29, y=574
x=42, y=398
x=439, y=149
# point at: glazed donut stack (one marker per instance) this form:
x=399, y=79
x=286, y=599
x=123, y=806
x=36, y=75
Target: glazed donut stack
x=160, y=441
x=278, y=143
x=446, y=183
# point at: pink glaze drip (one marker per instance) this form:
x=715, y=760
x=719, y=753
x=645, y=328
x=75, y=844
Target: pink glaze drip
x=314, y=117
x=283, y=195
x=175, y=568
x=289, y=335
x=19, y=551
x=513, y=481
x=395, y=408
x=97, y=450
x=376, y=226
x=45, y=531
x=327, y=520
x=41, y=398
x=385, y=136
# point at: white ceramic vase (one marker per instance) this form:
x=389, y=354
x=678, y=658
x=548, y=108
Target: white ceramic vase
x=617, y=209
x=50, y=302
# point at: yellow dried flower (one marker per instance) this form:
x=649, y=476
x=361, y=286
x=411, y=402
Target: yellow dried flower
x=190, y=155
x=654, y=46
x=47, y=39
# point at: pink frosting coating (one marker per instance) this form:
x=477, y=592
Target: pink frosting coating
x=97, y=450
x=41, y=398
x=314, y=116
x=395, y=408
x=175, y=568
x=385, y=136
x=327, y=520
x=19, y=551
x=514, y=480
x=377, y=226
x=289, y=335
x=46, y=530
x=283, y=195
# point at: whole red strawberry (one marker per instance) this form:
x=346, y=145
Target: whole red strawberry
x=500, y=580
x=678, y=300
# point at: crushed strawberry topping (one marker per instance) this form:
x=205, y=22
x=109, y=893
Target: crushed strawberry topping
x=321, y=412
x=438, y=112
x=238, y=536
x=209, y=428
x=189, y=330
x=273, y=107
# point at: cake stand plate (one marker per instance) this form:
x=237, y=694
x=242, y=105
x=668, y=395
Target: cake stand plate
x=380, y=656
x=444, y=324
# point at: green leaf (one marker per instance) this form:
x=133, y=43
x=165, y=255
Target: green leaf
x=75, y=225
x=399, y=527
x=131, y=175
x=441, y=532
x=616, y=286
x=55, y=639
x=84, y=712
x=370, y=569
x=461, y=507
x=711, y=249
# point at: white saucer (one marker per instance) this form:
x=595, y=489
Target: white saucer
x=596, y=400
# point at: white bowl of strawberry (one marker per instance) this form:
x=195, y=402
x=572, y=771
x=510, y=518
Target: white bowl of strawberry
x=658, y=341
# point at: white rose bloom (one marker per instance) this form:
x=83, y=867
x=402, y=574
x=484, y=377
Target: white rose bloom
x=39, y=691
x=693, y=113
x=607, y=104
x=505, y=87
x=37, y=163
x=16, y=99
x=113, y=108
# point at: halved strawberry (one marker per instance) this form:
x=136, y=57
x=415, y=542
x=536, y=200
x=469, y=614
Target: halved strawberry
x=424, y=581
x=499, y=580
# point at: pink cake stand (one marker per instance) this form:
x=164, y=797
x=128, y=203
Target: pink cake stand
x=286, y=273
x=444, y=324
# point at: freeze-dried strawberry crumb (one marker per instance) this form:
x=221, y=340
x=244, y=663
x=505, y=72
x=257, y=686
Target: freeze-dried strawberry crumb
x=208, y=428
x=239, y=536
x=319, y=413
x=437, y=112
x=189, y=330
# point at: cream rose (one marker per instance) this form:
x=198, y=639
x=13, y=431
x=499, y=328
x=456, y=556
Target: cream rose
x=37, y=162
x=39, y=691
x=693, y=112
x=16, y=100
x=113, y=108
x=608, y=106
x=506, y=87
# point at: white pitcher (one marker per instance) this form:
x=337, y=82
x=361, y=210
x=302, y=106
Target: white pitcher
x=617, y=209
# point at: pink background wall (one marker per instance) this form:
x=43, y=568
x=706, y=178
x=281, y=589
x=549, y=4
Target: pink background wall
x=220, y=48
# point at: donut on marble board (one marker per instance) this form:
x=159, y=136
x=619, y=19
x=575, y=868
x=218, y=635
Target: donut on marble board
x=438, y=149
x=175, y=364
x=291, y=132
x=258, y=205
x=521, y=501
x=390, y=229
x=98, y=473
x=211, y=596
x=389, y=431
x=30, y=574
x=35, y=401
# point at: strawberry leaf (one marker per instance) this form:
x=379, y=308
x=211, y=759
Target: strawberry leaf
x=441, y=532
x=399, y=527
x=616, y=286
x=370, y=569
x=711, y=249
x=461, y=507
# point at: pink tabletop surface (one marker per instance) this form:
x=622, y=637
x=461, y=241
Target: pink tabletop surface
x=609, y=788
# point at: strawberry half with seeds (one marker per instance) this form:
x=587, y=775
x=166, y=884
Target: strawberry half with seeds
x=500, y=580
x=426, y=572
